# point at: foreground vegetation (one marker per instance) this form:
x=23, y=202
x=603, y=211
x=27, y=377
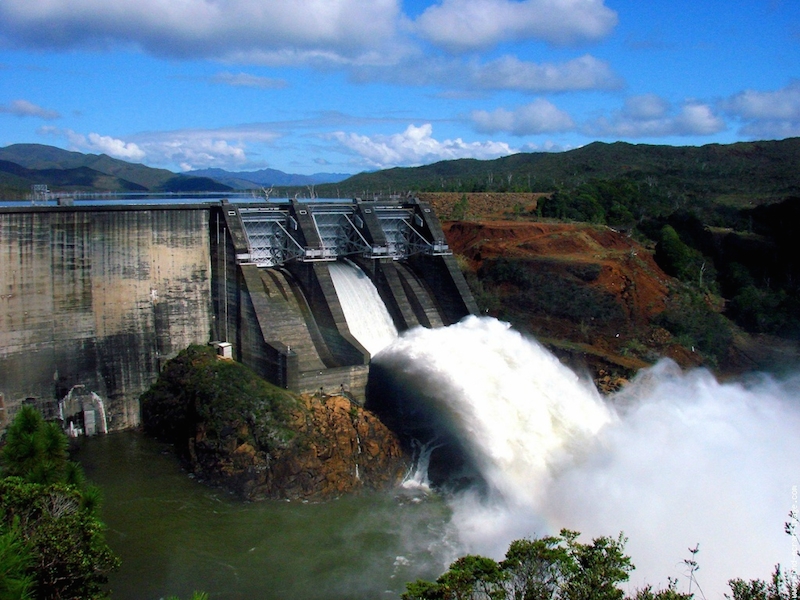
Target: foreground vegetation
x=562, y=568
x=52, y=543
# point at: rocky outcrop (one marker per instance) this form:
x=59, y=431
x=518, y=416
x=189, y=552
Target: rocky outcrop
x=338, y=448
x=590, y=293
x=236, y=431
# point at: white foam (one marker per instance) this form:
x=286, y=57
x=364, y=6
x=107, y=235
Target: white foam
x=366, y=314
x=676, y=459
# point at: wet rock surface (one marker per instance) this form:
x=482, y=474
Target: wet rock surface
x=338, y=448
x=234, y=430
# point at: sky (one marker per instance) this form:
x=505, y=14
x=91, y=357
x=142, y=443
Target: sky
x=344, y=86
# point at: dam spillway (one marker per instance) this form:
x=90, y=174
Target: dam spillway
x=100, y=297
x=282, y=312
x=365, y=312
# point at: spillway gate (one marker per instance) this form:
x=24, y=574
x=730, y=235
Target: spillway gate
x=308, y=232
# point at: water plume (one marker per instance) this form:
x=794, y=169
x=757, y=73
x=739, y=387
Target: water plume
x=674, y=460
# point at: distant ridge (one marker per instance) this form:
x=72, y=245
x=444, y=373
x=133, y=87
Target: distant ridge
x=244, y=180
x=24, y=165
x=737, y=174
x=741, y=171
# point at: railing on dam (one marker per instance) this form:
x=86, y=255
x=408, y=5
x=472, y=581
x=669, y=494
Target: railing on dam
x=327, y=231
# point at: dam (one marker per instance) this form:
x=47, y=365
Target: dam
x=95, y=299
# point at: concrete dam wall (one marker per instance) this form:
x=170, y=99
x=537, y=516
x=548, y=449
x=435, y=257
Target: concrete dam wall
x=95, y=299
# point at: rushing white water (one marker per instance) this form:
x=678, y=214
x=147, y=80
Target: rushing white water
x=366, y=314
x=675, y=460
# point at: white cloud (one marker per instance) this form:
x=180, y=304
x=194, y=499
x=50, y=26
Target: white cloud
x=510, y=73
x=225, y=148
x=196, y=153
x=767, y=114
x=23, y=108
x=185, y=150
x=651, y=116
x=537, y=117
x=504, y=73
x=114, y=147
x=697, y=119
x=416, y=146
x=96, y=143
x=248, y=80
x=346, y=30
x=465, y=25
x=647, y=107
x=780, y=104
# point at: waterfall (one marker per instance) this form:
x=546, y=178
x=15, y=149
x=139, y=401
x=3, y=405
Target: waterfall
x=417, y=477
x=98, y=402
x=366, y=314
x=89, y=405
x=675, y=459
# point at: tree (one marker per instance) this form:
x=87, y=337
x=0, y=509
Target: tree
x=34, y=450
x=549, y=568
x=682, y=261
x=459, y=212
x=16, y=580
x=668, y=593
x=470, y=577
x=534, y=568
x=594, y=570
x=782, y=587
x=45, y=502
x=785, y=585
x=70, y=558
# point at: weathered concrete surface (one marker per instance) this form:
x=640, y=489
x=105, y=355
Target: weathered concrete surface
x=100, y=297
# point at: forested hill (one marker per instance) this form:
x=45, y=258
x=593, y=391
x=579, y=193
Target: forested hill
x=23, y=165
x=737, y=173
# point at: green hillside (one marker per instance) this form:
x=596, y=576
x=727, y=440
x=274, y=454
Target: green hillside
x=741, y=173
x=23, y=165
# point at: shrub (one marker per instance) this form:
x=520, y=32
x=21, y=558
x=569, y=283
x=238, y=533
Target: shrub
x=553, y=567
x=696, y=325
x=50, y=514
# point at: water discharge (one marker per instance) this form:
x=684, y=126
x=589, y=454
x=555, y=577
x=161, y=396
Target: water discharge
x=674, y=460
x=365, y=312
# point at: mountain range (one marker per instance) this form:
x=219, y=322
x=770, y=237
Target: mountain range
x=246, y=180
x=736, y=174
x=25, y=165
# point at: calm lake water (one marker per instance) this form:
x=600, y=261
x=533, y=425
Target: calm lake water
x=176, y=535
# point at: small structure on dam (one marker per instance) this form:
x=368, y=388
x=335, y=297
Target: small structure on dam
x=274, y=295
x=95, y=299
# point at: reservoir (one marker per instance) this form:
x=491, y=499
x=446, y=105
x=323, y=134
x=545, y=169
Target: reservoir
x=176, y=535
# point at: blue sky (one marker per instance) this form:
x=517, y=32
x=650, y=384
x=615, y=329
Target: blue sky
x=307, y=86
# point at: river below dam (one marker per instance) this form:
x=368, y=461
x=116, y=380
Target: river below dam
x=175, y=534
